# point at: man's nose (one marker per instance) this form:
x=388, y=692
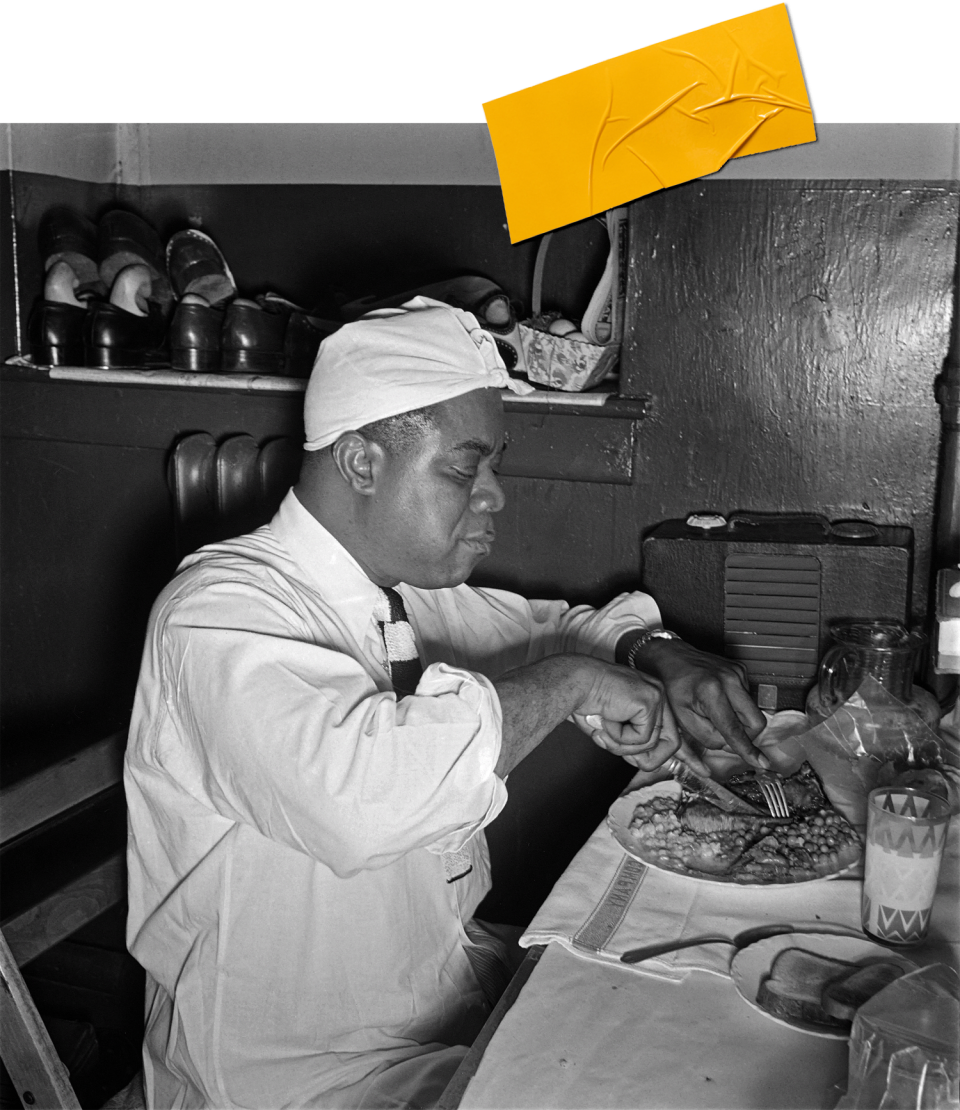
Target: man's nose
x=488, y=496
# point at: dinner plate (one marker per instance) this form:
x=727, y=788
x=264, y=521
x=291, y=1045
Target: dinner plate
x=621, y=813
x=752, y=964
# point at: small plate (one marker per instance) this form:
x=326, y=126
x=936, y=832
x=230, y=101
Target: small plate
x=752, y=964
x=621, y=814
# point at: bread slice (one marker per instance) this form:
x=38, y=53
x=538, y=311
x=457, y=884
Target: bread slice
x=796, y=983
x=843, y=997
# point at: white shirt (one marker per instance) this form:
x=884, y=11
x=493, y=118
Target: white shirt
x=287, y=814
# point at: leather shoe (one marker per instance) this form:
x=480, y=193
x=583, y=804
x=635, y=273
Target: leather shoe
x=114, y=337
x=67, y=236
x=472, y=293
x=301, y=343
x=55, y=327
x=195, y=265
x=252, y=339
x=124, y=239
x=194, y=335
x=128, y=331
x=55, y=333
x=303, y=335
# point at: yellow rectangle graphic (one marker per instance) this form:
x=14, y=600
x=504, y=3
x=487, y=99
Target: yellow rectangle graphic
x=604, y=135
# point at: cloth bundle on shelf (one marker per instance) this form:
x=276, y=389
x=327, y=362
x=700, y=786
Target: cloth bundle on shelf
x=558, y=355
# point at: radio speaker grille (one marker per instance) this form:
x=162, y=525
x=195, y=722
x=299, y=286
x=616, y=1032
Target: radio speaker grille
x=771, y=615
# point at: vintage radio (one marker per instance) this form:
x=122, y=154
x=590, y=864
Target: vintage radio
x=764, y=589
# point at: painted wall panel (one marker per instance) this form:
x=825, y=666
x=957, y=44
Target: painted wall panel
x=87, y=544
x=567, y=540
x=574, y=448
x=790, y=334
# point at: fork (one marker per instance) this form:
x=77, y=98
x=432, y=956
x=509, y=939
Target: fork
x=771, y=787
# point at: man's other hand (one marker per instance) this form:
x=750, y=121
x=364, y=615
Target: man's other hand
x=708, y=695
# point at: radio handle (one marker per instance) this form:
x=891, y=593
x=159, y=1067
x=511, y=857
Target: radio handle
x=755, y=519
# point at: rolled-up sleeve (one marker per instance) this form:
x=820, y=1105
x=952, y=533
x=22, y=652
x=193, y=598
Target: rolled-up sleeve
x=557, y=627
x=295, y=739
x=495, y=631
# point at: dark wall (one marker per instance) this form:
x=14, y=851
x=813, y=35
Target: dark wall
x=789, y=334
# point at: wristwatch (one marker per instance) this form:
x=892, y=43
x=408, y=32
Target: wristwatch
x=644, y=638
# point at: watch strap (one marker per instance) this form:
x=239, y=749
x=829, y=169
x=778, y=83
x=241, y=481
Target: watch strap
x=644, y=638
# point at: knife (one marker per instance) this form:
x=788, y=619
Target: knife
x=724, y=798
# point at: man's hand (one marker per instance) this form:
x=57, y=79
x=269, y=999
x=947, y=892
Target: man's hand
x=635, y=720
x=627, y=718
x=708, y=695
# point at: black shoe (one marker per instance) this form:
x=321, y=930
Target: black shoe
x=252, y=341
x=55, y=327
x=116, y=338
x=195, y=265
x=303, y=336
x=301, y=343
x=129, y=331
x=124, y=239
x=66, y=236
x=194, y=336
x=55, y=334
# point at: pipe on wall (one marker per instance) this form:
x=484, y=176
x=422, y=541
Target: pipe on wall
x=946, y=535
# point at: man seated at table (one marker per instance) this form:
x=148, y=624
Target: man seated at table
x=325, y=718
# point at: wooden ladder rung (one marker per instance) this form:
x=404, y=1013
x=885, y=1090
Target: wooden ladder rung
x=28, y=1053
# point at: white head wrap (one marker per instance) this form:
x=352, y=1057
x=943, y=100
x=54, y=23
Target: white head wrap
x=395, y=360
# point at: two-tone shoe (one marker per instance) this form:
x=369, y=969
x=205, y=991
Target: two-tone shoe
x=195, y=264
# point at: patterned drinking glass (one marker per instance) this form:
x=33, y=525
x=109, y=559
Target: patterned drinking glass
x=906, y=831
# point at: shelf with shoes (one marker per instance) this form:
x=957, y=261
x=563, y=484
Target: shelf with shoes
x=118, y=307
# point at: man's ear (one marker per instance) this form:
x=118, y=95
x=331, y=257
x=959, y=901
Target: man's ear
x=359, y=462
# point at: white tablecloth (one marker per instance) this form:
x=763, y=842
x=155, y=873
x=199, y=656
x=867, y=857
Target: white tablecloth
x=588, y=1031
x=583, y=1034
x=673, y=907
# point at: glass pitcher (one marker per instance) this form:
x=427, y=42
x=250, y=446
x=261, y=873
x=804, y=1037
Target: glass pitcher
x=899, y=721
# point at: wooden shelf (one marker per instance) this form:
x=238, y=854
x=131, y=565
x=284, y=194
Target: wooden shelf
x=590, y=404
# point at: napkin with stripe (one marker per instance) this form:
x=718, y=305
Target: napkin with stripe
x=607, y=903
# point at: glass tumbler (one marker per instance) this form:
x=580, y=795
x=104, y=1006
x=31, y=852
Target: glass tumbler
x=906, y=831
